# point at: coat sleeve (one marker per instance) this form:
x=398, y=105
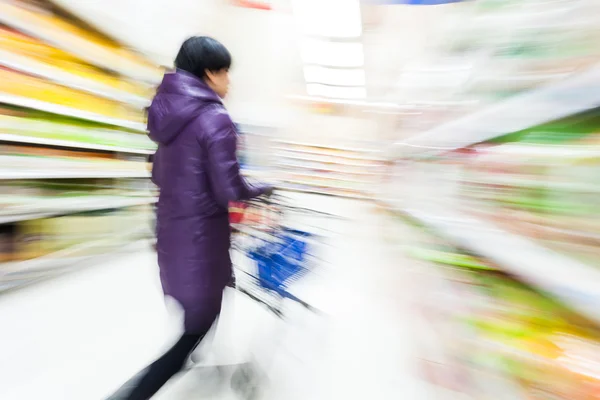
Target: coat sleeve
x=223, y=168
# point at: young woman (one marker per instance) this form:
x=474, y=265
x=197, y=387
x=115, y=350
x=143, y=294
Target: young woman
x=196, y=170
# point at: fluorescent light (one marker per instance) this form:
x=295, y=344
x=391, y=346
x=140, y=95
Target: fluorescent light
x=332, y=76
x=333, y=54
x=336, y=92
x=332, y=18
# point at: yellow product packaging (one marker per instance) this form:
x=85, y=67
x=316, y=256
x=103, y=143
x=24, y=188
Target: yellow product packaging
x=32, y=239
x=36, y=50
x=18, y=84
x=72, y=230
x=80, y=41
x=67, y=231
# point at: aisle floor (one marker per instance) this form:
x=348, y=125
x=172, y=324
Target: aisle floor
x=79, y=336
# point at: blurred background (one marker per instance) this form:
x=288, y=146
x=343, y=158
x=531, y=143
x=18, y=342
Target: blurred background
x=456, y=141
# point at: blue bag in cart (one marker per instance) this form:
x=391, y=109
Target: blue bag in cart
x=282, y=260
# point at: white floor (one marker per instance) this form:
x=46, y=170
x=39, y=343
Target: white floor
x=79, y=336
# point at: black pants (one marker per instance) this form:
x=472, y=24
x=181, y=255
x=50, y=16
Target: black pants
x=149, y=381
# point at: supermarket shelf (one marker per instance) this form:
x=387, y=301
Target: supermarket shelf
x=7, y=137
x=61, y=206
x=323, y=147
x=502, y=180
x=309, y=183
x=571, y=281
x=21, y=273
x=80, y=47
x=324, y=159
x=324, y=152
x=312, y=189
x=327, y=176
x=57, y=75
x=69, y=111
x=573, y=95
x=70, y=174
x=326, y=169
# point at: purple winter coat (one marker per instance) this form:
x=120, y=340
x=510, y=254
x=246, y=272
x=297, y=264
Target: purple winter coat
x=197, y=172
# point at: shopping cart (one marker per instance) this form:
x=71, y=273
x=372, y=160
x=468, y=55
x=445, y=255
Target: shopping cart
x=273, y=252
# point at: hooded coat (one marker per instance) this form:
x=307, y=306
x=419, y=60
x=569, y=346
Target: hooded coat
x=197, y=172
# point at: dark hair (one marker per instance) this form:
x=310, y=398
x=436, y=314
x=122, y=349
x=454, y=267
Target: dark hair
x=200, y=53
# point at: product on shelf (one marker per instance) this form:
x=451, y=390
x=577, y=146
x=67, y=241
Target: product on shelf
x=544, y=348
x=510, y=337
x=34, y=124
x=30, y=87
x=41, y=237
x=544, y=184
x=20, y=49
x=74, y=177
x=45, y=25
x=326, y=168
x=28, y=199
x=44, y=160
x=532, y=194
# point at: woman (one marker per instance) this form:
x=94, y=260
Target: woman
x=196, y=170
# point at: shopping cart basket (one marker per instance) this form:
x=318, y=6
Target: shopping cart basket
x=277, y=252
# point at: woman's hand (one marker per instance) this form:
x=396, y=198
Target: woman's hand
x=269, y=190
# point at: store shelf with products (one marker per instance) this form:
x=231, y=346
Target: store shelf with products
x=7, y=137
x=70, y=174
x=70, y=38
x=326, y=169
x=72, y=143
x=17, y=274
x=308, y=186
x=495, y=331
x=25, y=166
x=26, y=65
x=20, y=125
x=571, y=96
x=59, y=109
x=337, y=152
x=317, y=158
x=20, y=208
x=540, y=66
x=325, y=175
x=500, y=189
x=545, y=234
x=517, y=229
x=323, y=147
x=575, y=283
x=285, y=182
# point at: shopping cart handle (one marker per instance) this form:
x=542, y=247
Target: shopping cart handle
x=274, y=199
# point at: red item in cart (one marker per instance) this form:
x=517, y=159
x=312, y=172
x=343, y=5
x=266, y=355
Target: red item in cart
x=236, y=212
x=257, y=216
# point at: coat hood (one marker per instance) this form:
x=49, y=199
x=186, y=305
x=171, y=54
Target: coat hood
x=178, y=100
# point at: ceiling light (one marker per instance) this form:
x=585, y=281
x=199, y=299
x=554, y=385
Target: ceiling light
x=332, y=18
x=332, y=54
x=332, y=76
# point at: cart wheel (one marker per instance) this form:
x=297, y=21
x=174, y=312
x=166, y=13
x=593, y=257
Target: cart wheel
x=245, y=381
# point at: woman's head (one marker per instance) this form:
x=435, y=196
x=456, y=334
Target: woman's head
x=207, y=59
